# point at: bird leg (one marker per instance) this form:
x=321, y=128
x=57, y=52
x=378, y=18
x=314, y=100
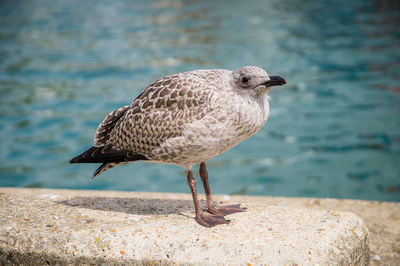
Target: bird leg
x=221, y=210
x=204, y=219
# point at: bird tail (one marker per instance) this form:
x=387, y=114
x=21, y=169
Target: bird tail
x=107, y=156
x=104, y=167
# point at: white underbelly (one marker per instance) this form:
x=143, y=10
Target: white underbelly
x=211, y=136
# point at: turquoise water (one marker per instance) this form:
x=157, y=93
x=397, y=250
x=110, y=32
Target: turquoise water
x=334, y=130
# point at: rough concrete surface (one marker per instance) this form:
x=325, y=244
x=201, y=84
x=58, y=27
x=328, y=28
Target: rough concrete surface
x=47, y=226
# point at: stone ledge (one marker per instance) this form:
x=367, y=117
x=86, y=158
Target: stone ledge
x=47, y=226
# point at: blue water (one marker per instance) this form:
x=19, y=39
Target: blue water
x=333, y=131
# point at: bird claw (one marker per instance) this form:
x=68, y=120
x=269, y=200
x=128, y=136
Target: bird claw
x=211, y=220
x=226, y=210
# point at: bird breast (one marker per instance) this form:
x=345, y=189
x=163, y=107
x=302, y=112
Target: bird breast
x=227, y=124
x=244, y=116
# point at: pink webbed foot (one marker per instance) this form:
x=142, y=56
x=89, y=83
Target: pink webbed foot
x=211, y=220
x=226, y=210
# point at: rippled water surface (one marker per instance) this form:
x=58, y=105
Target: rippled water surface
x=334, y=130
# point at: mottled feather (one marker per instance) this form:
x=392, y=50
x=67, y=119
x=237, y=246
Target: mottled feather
x=181, y=119
x=104, y=130
x=160, y=113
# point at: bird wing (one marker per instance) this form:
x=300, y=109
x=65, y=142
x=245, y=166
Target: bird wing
x=104, y=129
x=101, y=152
x=160, y=113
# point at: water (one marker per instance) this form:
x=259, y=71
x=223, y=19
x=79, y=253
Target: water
x=334, y=130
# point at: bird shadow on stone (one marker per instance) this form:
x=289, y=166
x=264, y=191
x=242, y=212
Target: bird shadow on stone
x=140, y=206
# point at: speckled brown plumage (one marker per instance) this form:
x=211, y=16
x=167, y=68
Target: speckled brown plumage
x=182, y=119
x=186, y=119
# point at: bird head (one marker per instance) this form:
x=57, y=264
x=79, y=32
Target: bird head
x=252, y=80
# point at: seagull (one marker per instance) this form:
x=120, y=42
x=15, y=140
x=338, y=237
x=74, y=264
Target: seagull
x=186, y=119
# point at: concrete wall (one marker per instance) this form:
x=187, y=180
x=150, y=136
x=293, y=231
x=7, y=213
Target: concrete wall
x=46, y=226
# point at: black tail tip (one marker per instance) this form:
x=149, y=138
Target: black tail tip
x=73, y=160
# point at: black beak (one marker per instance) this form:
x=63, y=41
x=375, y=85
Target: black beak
x=275, y=81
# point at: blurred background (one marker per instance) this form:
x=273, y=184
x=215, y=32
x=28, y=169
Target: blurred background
x=333, y=131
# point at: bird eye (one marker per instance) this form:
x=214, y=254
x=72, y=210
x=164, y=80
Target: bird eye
x=245, y=80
